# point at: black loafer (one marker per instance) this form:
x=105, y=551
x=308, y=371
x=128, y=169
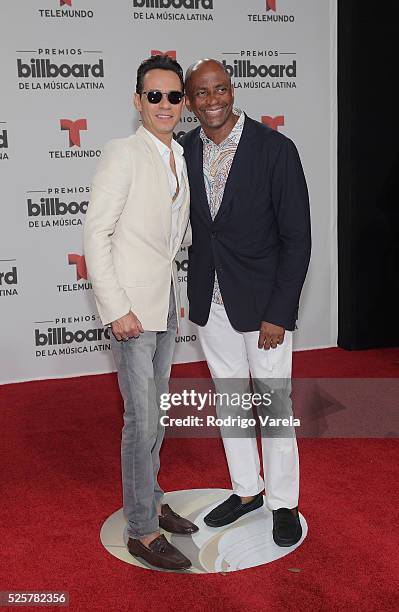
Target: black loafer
x=287, y=529
x=230, y=510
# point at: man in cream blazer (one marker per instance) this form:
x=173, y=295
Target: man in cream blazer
x=136, y=221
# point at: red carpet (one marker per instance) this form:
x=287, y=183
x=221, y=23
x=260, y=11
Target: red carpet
x=326, y=363
x=60, y=481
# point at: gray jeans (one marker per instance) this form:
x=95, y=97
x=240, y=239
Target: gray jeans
x=143, y=366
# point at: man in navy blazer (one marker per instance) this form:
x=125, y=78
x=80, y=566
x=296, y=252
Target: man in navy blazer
x=250, y=252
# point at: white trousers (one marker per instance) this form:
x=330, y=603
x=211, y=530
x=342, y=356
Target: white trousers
x=233, y=354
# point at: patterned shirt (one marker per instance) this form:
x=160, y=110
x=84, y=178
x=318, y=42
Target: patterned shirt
x=217, y=160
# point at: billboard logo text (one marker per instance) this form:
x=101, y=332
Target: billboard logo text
x=9, y=278
x=3, y=139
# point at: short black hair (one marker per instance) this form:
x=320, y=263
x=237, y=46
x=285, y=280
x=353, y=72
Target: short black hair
x=162, y=62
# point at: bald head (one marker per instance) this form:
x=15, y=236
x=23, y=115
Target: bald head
x=201, y=67
x=210, y=96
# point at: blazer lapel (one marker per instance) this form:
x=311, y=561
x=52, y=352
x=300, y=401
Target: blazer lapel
x=182, y=223
x=165, y=200
x=184, y=212
x=185, y=178
x=197, y=184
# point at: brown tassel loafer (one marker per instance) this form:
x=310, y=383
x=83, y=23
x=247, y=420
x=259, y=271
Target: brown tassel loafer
x=159, y=553
x=174, y=523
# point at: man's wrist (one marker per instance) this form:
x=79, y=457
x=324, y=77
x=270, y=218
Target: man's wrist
x=118, y=319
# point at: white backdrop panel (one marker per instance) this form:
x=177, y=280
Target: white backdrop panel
x=282, y=55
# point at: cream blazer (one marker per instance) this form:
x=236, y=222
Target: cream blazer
x=127, y=233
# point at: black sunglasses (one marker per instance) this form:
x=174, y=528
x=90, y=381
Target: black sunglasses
x=155, y=96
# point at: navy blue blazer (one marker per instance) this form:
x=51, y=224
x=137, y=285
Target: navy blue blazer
x=259, y=242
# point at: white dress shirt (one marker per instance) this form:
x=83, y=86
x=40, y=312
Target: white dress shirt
x=164, y=152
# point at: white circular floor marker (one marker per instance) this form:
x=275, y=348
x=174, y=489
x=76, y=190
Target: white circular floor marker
x=246, y=543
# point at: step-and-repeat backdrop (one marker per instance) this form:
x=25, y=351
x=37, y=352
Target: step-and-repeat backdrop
x=67, y=74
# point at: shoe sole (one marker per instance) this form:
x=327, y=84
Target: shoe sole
x=179, y=532
x=162, y=567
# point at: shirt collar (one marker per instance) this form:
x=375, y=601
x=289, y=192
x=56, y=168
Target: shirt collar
x=235, y=133
x=163, y=148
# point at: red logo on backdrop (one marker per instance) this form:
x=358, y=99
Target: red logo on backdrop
x=271, y=5
x=273, y=122
x=74, y=128
x=67, y=2
x=80, y=263
x=171, y=54
x=182, y=314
